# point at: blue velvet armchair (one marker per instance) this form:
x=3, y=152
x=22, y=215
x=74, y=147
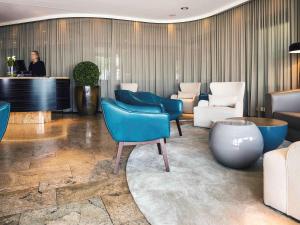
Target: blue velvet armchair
x=4, y=117
x=173, y=107
x=132, y=125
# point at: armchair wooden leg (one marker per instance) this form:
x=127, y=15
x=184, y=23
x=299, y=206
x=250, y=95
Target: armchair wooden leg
x=178, y=127
x=159, y=148
x=164, y=152
x=165, y=140
x=117, y=165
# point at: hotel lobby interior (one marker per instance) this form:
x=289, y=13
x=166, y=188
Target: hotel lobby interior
x=130, y=112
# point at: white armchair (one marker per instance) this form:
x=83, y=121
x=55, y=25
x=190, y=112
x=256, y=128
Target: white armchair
x=189, y=94
x=129, y=86
x=226, y=101
x=281, y=180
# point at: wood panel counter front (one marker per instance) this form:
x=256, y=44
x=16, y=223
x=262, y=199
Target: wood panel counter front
x=35, y=96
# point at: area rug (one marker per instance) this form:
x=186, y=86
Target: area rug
x=198, y=190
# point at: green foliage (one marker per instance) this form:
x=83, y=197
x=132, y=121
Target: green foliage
x=11, y=60
x=86, y=74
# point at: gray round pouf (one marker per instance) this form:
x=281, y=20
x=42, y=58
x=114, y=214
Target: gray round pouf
x=236, y=144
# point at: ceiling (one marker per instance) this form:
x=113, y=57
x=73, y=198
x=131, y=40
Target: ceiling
x=154, y=11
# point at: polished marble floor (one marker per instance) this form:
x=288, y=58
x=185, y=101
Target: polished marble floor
x=61, y=173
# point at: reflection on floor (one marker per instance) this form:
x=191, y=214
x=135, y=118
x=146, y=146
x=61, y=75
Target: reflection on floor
x=61, y=173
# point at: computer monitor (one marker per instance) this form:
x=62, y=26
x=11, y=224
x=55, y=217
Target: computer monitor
x=20, y=67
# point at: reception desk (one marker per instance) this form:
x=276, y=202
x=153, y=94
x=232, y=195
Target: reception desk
x=33, y=98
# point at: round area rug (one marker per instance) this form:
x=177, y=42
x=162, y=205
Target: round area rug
x=198, y=190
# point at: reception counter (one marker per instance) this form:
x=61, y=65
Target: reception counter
x=32, y=97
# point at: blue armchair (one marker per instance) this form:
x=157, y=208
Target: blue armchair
x=132, y=125
x=4, y=117
x=171, y=106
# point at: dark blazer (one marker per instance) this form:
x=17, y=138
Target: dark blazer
x=37, y=69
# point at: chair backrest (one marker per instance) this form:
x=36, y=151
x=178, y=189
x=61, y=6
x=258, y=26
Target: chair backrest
x=124, y=96
x=129, y=86
x=147, y=97
x=4, y=117
x=228, y=89
x=193, y=88
x=113, y=116
x=135, y=98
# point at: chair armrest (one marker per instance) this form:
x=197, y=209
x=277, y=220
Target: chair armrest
x=293, y=184
x=282, y=102
x=140, y=108
x=293, y=154
x=203, y=103
x=139, y=102
x=172, y=105
x=239, y=106
x=137, y=127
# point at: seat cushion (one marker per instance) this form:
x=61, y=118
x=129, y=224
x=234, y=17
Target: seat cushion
x=185, y=95
x=188, y=105
x=222, y=101
x=293, y=118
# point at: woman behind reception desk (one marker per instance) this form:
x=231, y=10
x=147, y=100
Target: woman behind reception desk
x=36, y=67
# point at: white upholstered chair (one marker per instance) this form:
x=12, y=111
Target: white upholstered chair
x=282, y=180
x=129, y=86
x=226, y=101
x=189, y=94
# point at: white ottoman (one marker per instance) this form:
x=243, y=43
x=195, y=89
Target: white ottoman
x=282, y=180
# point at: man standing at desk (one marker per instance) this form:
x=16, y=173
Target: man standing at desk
x=37, y=67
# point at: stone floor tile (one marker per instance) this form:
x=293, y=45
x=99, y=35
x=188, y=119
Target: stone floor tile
x=66, y=161
x=89, y=172
x=84, y=191
x=55, y=176
x=10, y=220
x=15, y=151
x=91, y=212
x=20, y=201
x=137, y=222
x=11, y=165
x=123, y=210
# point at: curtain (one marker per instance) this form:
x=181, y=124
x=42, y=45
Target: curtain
x=247, y=43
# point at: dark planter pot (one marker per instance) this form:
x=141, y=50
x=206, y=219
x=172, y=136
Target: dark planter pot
x=87, y=98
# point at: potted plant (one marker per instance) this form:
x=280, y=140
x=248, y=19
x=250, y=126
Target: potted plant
x=86, y=76
x=11, y=61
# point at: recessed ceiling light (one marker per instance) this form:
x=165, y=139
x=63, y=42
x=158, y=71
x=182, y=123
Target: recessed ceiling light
x=184, y=8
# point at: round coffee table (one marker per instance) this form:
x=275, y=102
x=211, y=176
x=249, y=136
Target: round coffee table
x=236, y=143
x=273, y=131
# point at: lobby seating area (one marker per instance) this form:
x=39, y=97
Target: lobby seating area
x=150, y=112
